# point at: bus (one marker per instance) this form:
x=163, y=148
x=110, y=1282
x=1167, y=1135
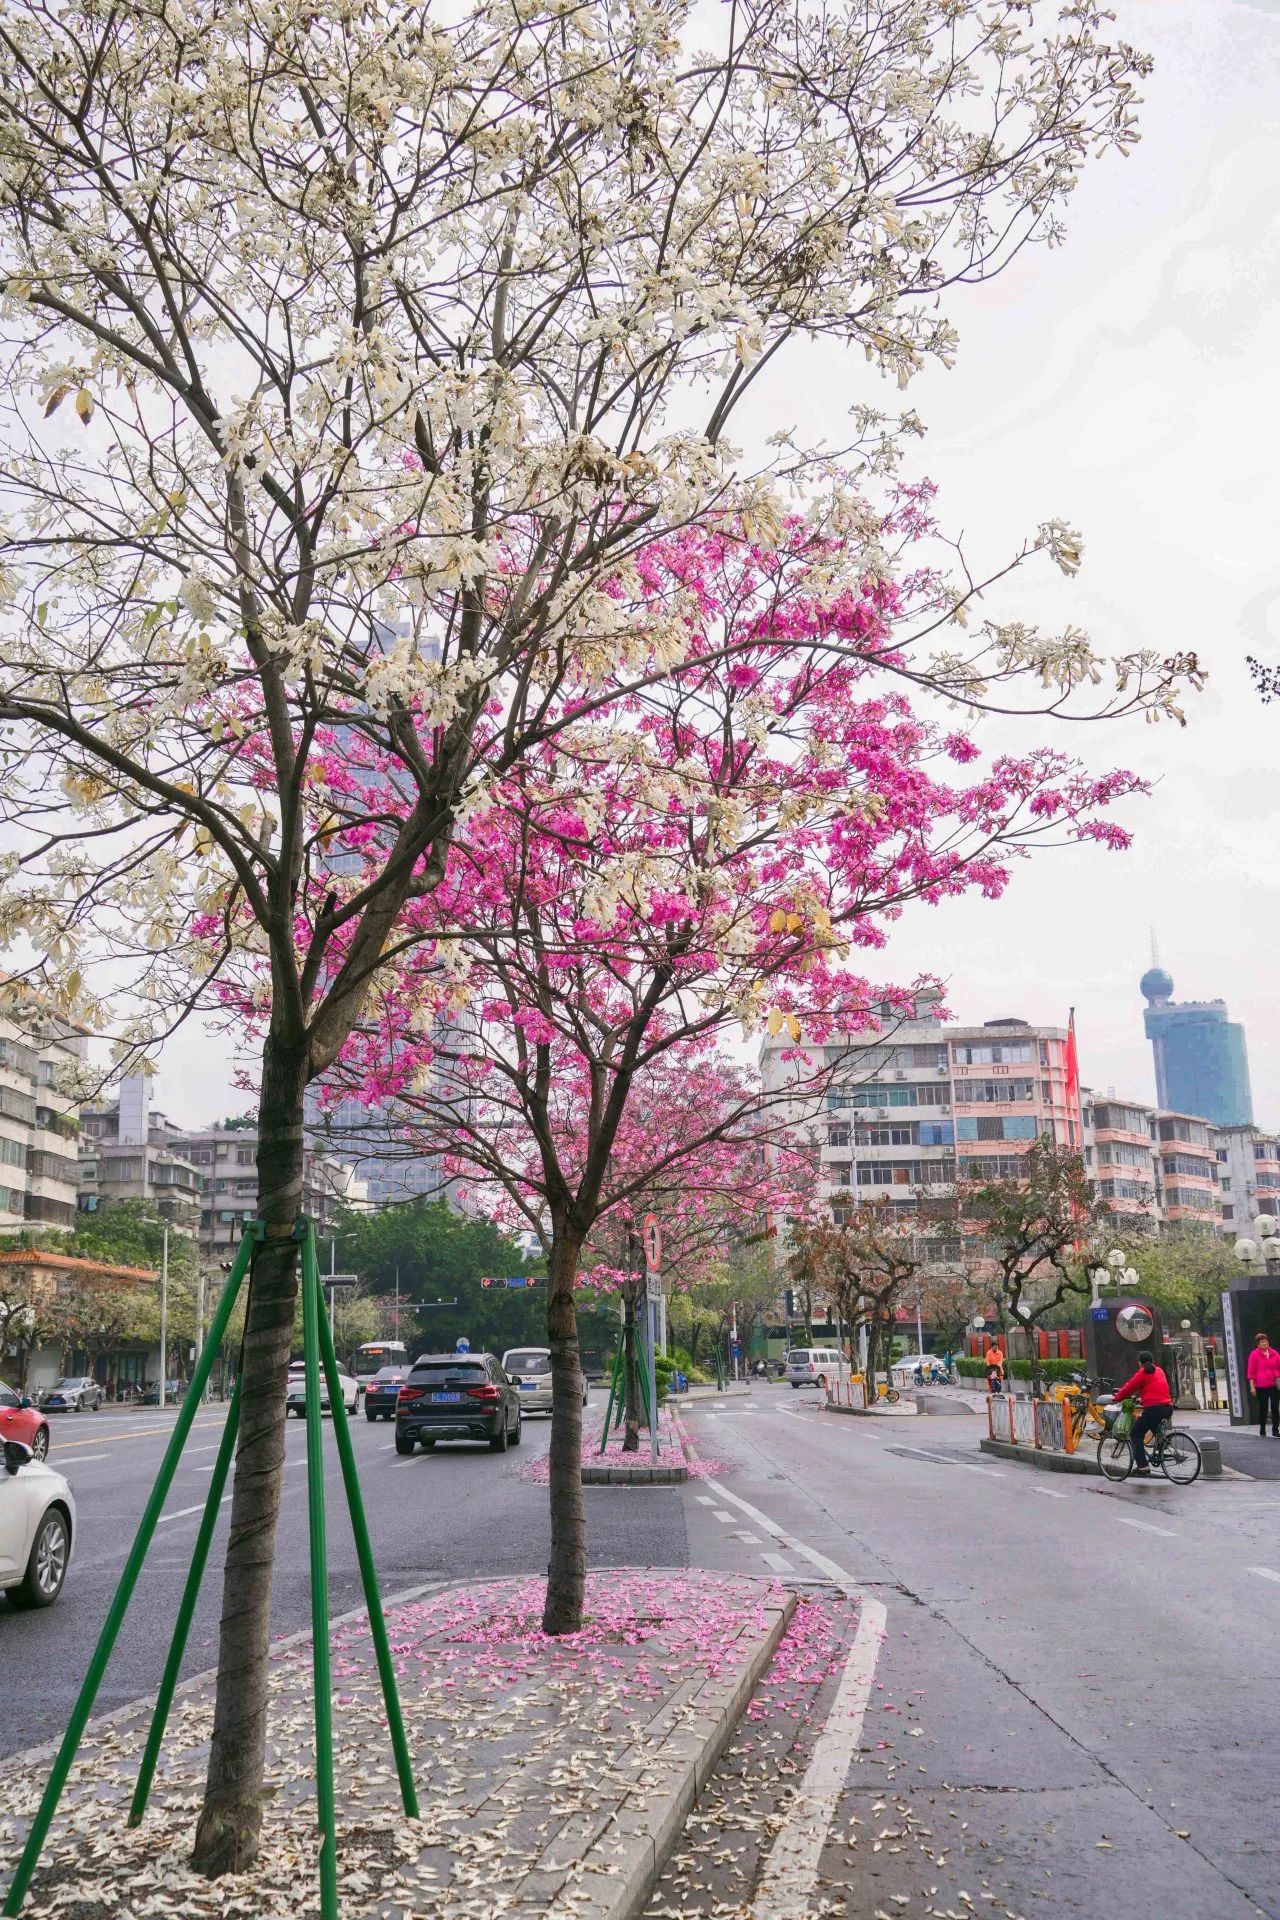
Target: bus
x=377, y=1353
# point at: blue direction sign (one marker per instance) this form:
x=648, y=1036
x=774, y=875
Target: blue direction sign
x=1099, y=1313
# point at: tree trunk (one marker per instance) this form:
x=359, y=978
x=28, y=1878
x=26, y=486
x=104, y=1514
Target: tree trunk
x=567, y=1567
x=630, y=1375
x=231, y=1818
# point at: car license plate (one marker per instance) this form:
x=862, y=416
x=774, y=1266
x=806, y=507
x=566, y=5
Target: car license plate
x=528, y=1386
x=446, y=1396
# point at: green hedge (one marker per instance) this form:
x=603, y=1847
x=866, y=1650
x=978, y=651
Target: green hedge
x=1022, y=1369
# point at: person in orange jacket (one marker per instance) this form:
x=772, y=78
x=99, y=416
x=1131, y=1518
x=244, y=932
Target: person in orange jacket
x=995, y=1368
x=1150, y=1384
x=1264, y=1380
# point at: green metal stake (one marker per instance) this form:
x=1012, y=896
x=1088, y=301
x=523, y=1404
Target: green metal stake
x=128, y=1581
x=186, y=1609
x=364, y=1551
x=615, y=1393
x=311, y=1312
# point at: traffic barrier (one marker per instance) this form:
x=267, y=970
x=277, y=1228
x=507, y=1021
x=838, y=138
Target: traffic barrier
x=1029, y=1423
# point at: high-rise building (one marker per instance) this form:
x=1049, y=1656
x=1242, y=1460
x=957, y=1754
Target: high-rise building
x=1201, y=1062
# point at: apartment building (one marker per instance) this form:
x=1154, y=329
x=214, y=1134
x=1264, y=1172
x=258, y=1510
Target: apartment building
x=39, y=1125
x=1248, y=1176
x=925, y=1103
x=204, y=1180
x=1120, y=1157
x=129, y=1150
x=1187, y=1170
x=226, y=1157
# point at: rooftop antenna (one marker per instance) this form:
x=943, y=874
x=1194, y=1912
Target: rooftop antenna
x=1155, y=951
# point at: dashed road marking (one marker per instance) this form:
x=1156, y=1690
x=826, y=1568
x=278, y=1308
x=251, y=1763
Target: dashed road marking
x=1050, y=1493
x=1147, y=1527
x=1265, y=1573
x=778, y=1562
x=704, y=1499
x=720, y=1514
x=184, y=1513
x=750, y=1539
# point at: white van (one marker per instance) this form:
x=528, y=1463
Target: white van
x=816, y=1367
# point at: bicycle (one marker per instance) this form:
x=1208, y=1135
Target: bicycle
x=883, y=1389
x=1172, y=1449
x=1082, y=1406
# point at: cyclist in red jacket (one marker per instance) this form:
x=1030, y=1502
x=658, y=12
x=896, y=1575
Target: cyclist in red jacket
x=1151, y=1387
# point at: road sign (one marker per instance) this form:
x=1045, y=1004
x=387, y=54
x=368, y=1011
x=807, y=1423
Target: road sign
x=652, y=1285
x=736, y=1351
x=1100, y=1313
x=652, y=1242
x=340, y=1279
x=462, y=1344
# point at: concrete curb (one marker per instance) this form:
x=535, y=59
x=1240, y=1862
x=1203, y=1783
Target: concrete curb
x=874, y=1413
x=1037, y=1457
x=642, y=1838
x=647, y=1475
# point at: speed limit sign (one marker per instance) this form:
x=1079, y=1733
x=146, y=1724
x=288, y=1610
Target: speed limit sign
x=652, y=1242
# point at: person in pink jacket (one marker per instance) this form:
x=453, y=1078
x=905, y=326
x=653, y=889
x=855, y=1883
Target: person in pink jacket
x=1264, y=1379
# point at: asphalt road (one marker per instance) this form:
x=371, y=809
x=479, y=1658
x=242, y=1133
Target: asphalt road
x=458, y=1512
x=1072, y=1707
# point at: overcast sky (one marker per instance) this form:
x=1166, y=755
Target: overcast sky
x=1129, y=382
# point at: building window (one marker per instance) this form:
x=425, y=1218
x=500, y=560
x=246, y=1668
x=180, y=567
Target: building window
x=999, y=1093
x=996, y=1053
x=839, y=1134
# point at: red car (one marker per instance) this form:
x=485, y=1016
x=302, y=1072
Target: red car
x=19, y=1420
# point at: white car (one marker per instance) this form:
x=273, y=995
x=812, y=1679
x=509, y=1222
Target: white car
x=530, y=1368
x=37, y=1528
x=296, y=1392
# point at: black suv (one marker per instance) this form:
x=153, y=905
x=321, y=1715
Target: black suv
x=457, y=1396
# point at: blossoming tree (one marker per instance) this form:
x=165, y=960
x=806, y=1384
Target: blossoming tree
x=711, y=854
x=350, y=357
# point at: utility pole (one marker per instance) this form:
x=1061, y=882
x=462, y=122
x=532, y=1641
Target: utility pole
x=199, y=1312
x=164, y=1312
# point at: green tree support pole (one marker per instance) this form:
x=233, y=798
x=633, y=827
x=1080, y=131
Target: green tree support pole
x=128, y=1581
x=311, y=1313
x=615, y=1392
x=190, y=1594
x=364, y=1551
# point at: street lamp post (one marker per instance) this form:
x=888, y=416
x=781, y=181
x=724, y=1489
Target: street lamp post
x=1116, y=1273
x=1264, y=1245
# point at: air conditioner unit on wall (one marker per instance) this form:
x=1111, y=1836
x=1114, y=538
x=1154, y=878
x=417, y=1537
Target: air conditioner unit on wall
x=882, y=1113
x=899, y=1073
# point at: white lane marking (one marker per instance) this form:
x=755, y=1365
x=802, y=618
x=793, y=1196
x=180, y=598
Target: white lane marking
x=720, y=1514
x=1265, y=1573
x=704, y=1499
x=209, y=1469
x=87, y=1456
x=819, y=1560
x=992, y=1473
x=751, y=1539
x=184, y=1513
x=1048, y=1493
x=804, y=1418
x=778, y=1561
x=790, y=1872
x=211, y=1448
x=1146, y=1526
x=387, y=1448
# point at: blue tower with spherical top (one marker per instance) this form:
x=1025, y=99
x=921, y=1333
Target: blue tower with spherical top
x=1201, y=1060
